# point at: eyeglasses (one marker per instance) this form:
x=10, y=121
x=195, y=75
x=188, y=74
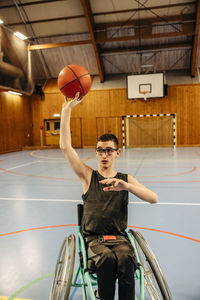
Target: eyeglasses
x=107, y=151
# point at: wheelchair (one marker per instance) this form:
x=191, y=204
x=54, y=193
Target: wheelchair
x=150, y=282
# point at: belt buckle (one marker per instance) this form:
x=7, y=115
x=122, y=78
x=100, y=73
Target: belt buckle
x=100, y=239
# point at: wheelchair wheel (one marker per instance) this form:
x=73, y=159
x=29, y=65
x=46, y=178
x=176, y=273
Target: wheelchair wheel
x=154, y=280
x=62, y=280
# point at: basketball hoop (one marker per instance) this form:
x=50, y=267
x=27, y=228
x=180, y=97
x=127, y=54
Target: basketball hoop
x=144, y=89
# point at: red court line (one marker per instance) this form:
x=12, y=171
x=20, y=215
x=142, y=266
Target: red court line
x=178, y=174
x=37, y=176
x=71, y=225
x=167, y=232
x=37, y=228
x=74, y=179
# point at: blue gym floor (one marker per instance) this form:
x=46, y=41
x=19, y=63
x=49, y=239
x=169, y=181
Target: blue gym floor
x=38, y=199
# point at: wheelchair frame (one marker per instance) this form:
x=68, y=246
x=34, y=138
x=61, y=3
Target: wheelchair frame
x=152, y=282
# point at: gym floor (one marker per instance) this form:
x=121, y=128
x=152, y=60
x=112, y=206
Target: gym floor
x=38, y=201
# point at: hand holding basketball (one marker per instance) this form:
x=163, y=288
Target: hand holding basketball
x=73, y=102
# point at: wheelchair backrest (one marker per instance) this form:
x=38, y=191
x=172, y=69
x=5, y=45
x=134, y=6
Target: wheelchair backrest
x=79, y=213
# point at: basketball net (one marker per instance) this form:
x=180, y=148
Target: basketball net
x=144, y=94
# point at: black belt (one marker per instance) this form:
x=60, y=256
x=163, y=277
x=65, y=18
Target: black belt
x=91, y=238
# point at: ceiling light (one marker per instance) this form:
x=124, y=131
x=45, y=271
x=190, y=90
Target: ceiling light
x=56, y=115
x=15, y=93
x=1, y=21
x=20, y=35
x=146, y=66
x=147, y=53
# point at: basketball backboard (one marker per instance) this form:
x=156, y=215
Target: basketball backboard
x=145, y=86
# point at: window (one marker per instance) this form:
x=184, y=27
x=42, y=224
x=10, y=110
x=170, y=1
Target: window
x=47, y=126
x=57, y=125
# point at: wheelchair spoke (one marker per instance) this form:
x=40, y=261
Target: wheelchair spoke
x=61, y=285
x=154, y=281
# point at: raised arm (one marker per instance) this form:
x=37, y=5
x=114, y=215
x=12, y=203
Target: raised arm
x=83, y=171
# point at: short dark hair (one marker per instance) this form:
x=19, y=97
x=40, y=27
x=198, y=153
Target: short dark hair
x=108, y=137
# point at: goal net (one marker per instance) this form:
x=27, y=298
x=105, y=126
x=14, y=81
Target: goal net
x=149, y=130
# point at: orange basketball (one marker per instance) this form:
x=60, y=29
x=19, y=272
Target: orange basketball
x=73, y=79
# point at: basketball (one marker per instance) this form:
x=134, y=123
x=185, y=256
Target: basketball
x=73, y=79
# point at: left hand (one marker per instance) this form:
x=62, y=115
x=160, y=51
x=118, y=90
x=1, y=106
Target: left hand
x=114, y=184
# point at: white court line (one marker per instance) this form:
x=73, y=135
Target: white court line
x=80, y=201
x=19, y=166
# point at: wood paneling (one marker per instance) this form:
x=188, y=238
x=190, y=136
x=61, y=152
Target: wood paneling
x=76, y=132
x=15, y=122
x=110, y=125
x=184, y=100
x=19, y=114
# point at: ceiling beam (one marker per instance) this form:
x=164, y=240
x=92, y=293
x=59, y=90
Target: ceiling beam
x=46, y=20
x=145, y=8
x=103, y=40
x=146, y=22
x=108, y=12
x=195, y=41
x=173, y=18
x=29, y=3
x=90, y=23
x=181, y=18
x=148, y=48
x=114, y=50
x=146, y=35
x=57, y=45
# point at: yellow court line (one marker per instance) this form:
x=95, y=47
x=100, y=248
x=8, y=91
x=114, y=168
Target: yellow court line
x=6, y=298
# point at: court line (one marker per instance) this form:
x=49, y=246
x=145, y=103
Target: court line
x=38, y=176
x=37, y=228
x=80, y=201
x=40, y=199
x=73, y=179
x=28, y=285
x=166, y=232
x=169, y=181
x=9, y=156
x=183, y=173
x=19, y=166
x=74, y=225
x=88, y=158
x=50, y=157
x=50, y=275
x=56, y=158
x=6, y=298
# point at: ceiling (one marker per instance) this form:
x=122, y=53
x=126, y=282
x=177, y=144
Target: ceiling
x=107, y=37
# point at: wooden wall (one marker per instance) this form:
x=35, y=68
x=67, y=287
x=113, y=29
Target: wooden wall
x=184, y=100
x=15, y=122
x=21, y=117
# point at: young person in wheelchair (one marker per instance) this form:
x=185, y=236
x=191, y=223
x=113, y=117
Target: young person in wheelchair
x=105, y=198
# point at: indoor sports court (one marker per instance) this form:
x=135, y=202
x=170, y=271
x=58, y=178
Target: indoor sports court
x=136, y=64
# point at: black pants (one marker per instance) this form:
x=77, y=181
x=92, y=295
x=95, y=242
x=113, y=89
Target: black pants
x=113, y=260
